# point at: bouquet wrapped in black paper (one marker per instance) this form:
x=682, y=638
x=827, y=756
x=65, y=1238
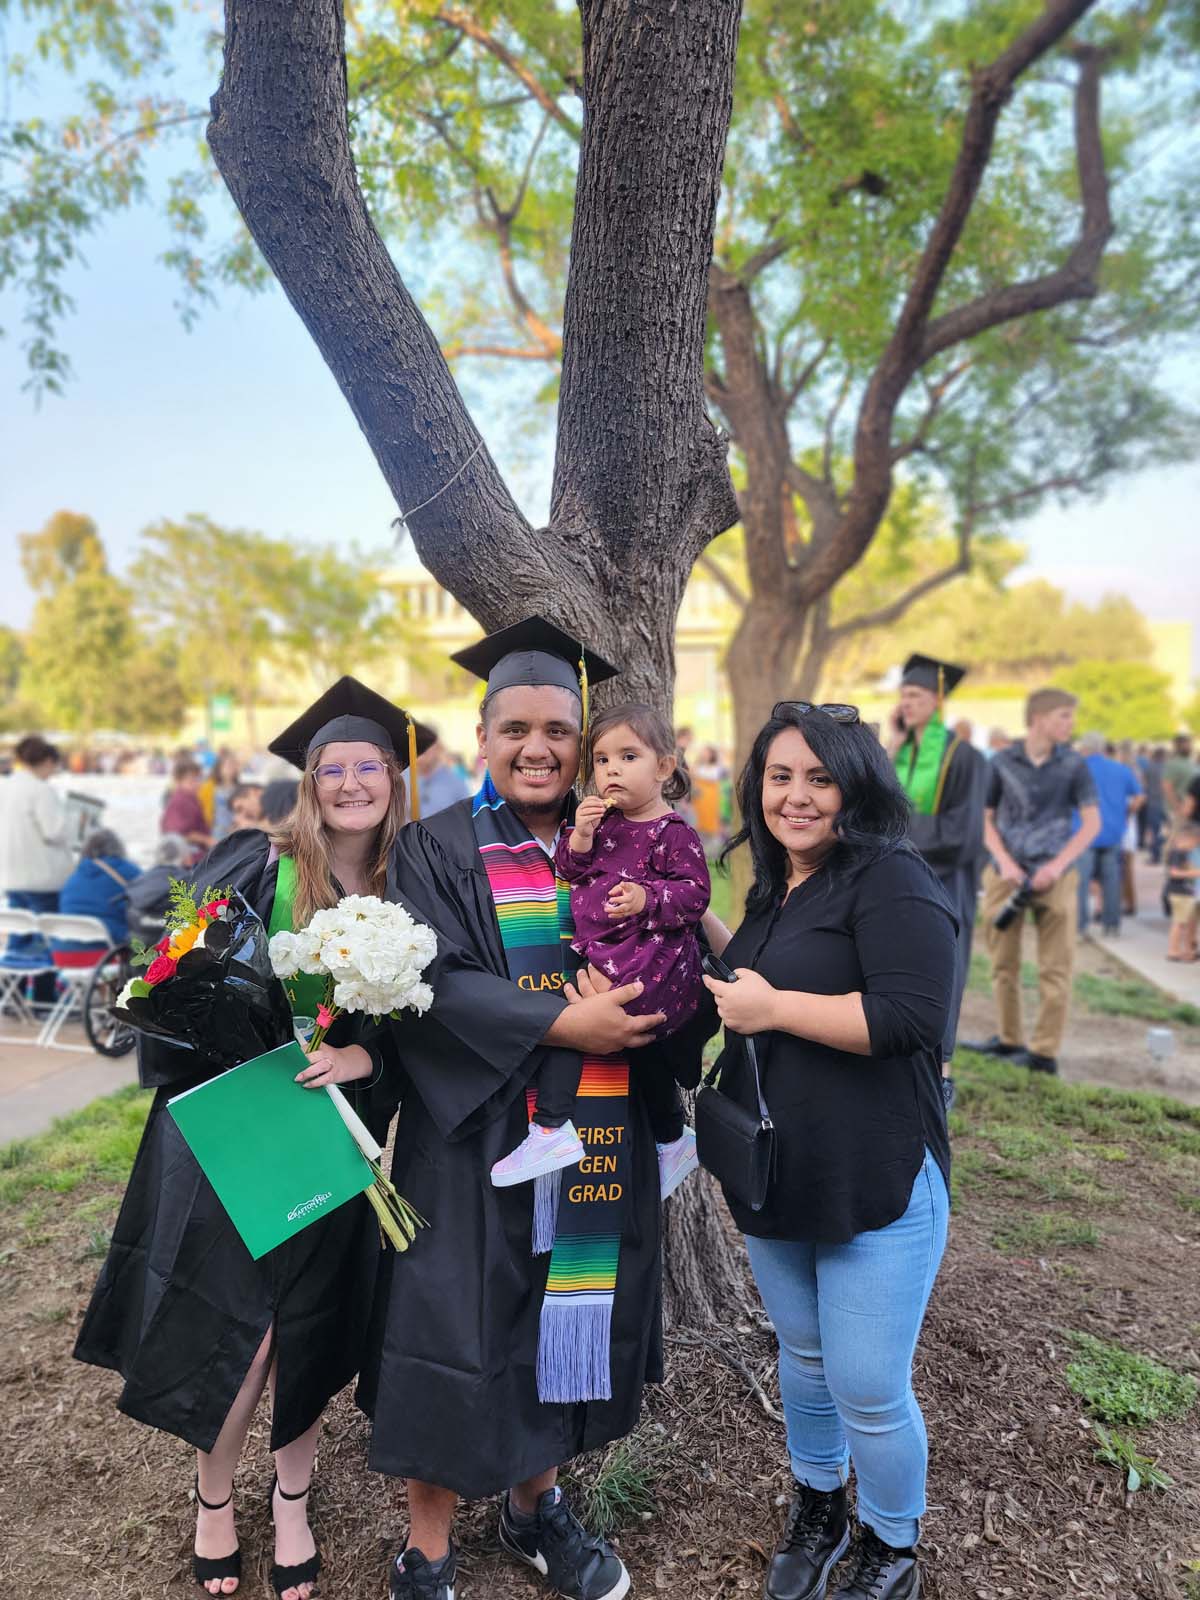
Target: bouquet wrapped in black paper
x=209, y=985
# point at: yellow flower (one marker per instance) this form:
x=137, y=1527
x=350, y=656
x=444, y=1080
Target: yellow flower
x=183, y=941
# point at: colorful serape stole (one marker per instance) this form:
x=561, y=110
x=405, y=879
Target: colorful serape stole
x=581, y=1215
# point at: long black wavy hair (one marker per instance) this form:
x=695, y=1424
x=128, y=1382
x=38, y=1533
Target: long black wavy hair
x=872, y=822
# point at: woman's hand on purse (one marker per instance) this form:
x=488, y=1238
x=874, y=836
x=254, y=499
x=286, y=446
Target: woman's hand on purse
x=747, y=1006
x=330, y=1063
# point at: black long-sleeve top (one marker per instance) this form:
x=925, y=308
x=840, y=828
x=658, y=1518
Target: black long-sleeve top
x=851, y=1130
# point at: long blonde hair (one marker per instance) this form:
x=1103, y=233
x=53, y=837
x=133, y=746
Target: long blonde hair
x=303, y=836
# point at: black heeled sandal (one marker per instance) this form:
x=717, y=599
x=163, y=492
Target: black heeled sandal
x=207, y=1568
x=305, y=1571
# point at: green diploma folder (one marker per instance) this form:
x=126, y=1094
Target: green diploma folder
x=279, y=1156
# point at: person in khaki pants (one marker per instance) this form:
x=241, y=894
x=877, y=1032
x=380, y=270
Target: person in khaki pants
x=1035, y=789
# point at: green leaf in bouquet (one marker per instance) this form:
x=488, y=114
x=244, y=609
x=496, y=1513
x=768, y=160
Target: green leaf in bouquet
x=140, y=988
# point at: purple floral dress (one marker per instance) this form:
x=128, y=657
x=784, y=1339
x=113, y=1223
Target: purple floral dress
x=659, y=945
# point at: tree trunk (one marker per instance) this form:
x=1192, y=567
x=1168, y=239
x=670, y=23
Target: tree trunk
x=641, y=482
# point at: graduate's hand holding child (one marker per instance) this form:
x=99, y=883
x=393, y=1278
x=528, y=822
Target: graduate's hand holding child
x=587, y=819
x=596, y=1021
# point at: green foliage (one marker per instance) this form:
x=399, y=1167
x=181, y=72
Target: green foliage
x=1116, y=1450
x=183, y=903
x=1121, y=1386
x=1126, y=700
x=621, y=1489
x=1045, y=1230
x=96, y=1245
x=68, y=546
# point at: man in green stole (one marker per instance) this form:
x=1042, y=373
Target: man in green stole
x=945, y=780
x=490, y=1363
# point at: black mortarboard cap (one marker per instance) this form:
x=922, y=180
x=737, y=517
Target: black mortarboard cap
x=531, y=654
x=939, y=677
x=347, y=712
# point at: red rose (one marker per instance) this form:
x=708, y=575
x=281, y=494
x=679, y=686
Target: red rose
x=161, y=967
x=164, y=944
x=212, y=909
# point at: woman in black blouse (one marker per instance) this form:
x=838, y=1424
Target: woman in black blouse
x=845, y=972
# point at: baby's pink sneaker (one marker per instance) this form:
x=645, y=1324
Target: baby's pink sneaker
x=542, y=1150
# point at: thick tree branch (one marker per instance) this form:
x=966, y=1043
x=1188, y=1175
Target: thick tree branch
x=634, y=313
x=1075, y=279
x=498, y=222
x=504, y=352
x=461, y=19
x=280, y=138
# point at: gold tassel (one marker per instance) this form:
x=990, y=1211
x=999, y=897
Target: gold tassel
x=414, y=798
x=584, y=773
x=941, y=689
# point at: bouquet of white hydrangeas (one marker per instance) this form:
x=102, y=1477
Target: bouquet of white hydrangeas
x=373, y=956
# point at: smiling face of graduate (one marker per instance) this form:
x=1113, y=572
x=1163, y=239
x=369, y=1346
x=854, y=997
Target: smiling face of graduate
x=353, y=785
x=530, y=740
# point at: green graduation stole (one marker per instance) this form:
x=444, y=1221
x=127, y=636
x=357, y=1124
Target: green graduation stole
x=578, y=1214
x=306, y=991
x=920, y=768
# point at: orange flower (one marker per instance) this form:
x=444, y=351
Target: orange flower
x=183, y=941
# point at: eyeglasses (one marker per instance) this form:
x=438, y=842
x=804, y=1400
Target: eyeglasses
x=838, y=713
x=333, y=776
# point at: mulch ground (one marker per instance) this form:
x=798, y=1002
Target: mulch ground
x=93, y=1505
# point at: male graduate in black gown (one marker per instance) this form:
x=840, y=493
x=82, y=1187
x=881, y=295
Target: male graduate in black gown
x=453, y=1379
x=945, y=780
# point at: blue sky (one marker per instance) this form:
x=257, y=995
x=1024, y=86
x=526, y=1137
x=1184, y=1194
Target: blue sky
x=239, y=419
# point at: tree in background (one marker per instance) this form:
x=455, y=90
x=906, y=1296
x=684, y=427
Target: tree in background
x=1123, y=700
x=86, y=663
x=238, y=602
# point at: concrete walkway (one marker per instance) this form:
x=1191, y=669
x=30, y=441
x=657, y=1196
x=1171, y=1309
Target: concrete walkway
x=1141, y=944
x=38, y=1085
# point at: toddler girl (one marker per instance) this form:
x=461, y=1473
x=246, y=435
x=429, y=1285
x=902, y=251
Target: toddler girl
x=639, y=887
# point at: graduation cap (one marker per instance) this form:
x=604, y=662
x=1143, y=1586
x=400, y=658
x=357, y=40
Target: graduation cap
x=939, y=677
x=534, y=653
x=350, y=712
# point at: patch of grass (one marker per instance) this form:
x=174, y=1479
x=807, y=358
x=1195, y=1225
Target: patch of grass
x=1121, y=1386
x=1132, y=997
x=1118, y=1451
x=621, y=1490
x=96, y=1248
x=1189, y=1202
x=1109, y=1152
x=49, y=1315
x=722, y=893
x=97, y=1142
x=17, y=1154
x=1045, y=1230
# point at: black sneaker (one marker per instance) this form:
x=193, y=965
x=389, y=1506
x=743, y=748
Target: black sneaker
x=879, y=1572
x=995, y=1046
x=555, y=1543
x=814, y=1539
x=1035, y=1062
x=413, y=1578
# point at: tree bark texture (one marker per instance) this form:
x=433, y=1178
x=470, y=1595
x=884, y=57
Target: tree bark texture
x=641, y=482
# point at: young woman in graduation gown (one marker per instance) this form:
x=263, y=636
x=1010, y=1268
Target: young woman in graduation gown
x=195, y=1327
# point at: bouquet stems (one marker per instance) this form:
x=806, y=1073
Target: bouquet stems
x=398, y=1221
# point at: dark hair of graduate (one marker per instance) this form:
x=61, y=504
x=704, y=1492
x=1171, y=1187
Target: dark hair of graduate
x=653, y=730
x=875, y=812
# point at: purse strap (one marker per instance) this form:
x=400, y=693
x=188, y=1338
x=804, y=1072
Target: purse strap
x=752, y=1055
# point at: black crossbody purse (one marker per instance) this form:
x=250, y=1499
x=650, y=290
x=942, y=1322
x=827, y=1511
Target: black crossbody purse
x=737, y=1146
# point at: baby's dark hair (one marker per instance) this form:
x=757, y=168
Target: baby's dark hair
x=653, y=729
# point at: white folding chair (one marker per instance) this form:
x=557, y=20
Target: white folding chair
x=74, y=969
x=17, y=968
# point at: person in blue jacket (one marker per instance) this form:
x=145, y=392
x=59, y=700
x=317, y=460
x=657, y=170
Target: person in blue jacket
x=98, y=885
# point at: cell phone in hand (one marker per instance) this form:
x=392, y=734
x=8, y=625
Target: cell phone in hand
x=716, y=968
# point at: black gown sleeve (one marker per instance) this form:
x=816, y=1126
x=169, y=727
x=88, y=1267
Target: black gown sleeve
x=480, y=1041
x=955, y=834
x=904, y=934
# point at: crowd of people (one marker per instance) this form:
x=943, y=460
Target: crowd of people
x=580, y=969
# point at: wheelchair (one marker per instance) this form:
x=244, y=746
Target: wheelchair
x=107, y=1034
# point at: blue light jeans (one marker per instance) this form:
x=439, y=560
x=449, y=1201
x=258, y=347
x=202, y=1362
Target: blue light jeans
x=848, y=1316
x=1102, y=862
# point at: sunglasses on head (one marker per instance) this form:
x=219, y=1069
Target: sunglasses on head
x=839, y=713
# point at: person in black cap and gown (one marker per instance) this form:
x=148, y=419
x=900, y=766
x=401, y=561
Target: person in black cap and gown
x=194, y=1325
x=945, y=779
x=454, y=1377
